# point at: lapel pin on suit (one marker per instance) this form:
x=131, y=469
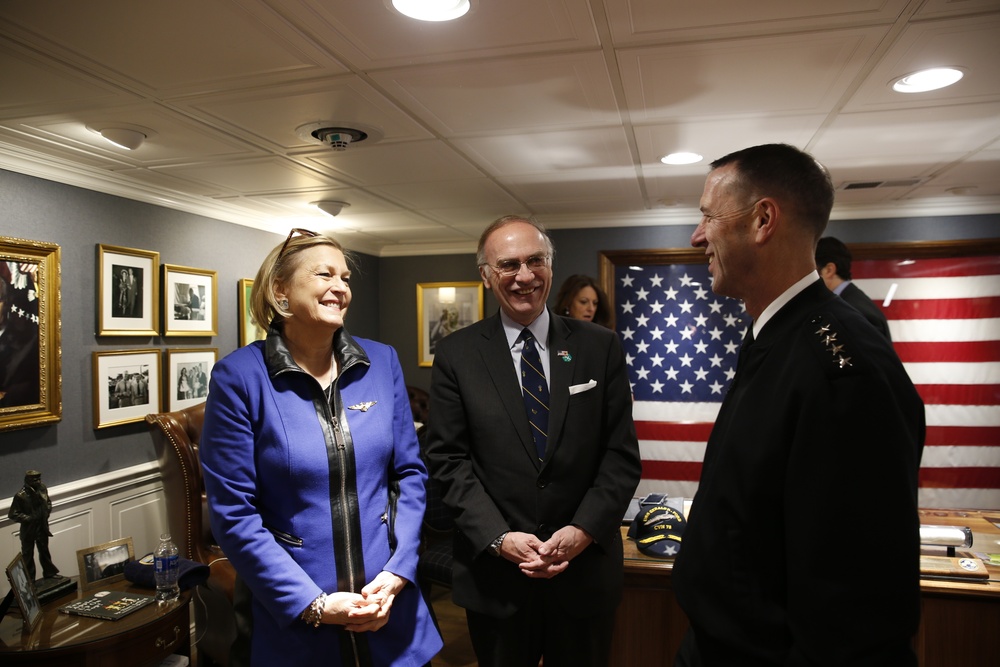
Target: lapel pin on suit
x=566, y=356
x=362, y=406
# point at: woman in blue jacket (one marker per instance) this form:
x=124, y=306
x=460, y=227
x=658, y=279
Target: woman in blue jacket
x=307, y=436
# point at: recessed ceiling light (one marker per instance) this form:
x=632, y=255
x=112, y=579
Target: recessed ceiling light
x=928, y=79
x=433, y=10
x=681, y=158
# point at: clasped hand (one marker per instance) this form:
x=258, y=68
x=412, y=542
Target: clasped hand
x=544, y=560
x=368, y=610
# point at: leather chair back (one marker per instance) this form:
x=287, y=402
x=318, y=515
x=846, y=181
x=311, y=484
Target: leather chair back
x=176, y=436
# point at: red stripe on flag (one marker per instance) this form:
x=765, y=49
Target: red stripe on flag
x=678, y=471
x=694, y=432
x=986, y=265
x=941, y=309
x=963, y=436
x=959, y=394
x=960, y=478
x=969, y=352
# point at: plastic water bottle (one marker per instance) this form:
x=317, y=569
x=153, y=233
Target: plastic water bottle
x=165, y=563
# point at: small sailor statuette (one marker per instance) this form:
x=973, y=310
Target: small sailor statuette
x=362, y=406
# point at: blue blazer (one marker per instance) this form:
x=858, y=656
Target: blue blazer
x=289, y=511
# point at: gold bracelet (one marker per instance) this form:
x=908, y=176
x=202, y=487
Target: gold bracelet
x=314, y=612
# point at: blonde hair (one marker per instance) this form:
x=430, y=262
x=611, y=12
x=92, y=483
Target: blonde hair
x=278, y=268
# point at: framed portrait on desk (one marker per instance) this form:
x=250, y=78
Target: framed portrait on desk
x=23, y=590
x=105, y=563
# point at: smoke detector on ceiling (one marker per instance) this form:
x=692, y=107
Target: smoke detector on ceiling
x=338, y=135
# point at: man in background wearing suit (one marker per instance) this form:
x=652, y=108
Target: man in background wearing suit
x=538, y=553
x=802, y=544
x=833, y=261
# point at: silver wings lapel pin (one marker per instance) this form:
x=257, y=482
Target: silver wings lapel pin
x=362, y=406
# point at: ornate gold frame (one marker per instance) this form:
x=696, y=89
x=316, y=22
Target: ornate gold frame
x=249, y=330
x=47, y=275
x=428, y=297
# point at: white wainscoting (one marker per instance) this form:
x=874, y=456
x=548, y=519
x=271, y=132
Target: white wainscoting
x=123, y=503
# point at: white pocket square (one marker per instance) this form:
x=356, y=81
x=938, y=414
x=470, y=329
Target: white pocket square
x=580, y=388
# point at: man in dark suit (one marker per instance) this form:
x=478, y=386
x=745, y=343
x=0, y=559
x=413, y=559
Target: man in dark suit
x=538, y=553
x=833, y=261
x=802, y=545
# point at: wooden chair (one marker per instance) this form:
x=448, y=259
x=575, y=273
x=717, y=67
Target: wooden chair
x=176, y=436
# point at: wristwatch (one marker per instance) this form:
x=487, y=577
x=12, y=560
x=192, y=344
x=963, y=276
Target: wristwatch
x=495, y=545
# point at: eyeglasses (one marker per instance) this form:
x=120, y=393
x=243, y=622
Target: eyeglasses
x=291, y=234
x=511, y=267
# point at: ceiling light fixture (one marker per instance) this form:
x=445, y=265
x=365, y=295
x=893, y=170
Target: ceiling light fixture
x=432, y=10
x=129, y=138
x=928, y=79
x=331, y=207
x=681, y=158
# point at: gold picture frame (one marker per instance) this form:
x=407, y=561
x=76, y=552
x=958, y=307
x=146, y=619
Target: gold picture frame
x=24, y=592
x=249, y=329
x=443, y=308
x=31, y=353
x=190, y=301
x=127, y=386
x=187, y=372
x=105, y=563
x=128, y=283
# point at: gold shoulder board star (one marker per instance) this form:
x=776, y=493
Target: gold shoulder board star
x=362, y=406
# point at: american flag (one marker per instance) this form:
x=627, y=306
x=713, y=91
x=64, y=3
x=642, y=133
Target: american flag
x=681, y=343
x=944, y=317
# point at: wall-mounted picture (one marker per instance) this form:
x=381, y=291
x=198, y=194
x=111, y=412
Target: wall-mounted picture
x=443, y=308
x=128, y=282
x=126, y=386
x=24, y=592
x=188, y=372
x=189, y=301
x=30, y=374
x=105, y=563
x=249, y=329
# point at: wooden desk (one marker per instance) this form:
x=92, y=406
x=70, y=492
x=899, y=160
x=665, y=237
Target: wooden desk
x=958, y=626
x=143, y=638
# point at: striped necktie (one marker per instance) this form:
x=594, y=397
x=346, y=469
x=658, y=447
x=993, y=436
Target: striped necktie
x=535, y=392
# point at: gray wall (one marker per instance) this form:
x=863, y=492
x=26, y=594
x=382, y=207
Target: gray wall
x=384, y=305
x=78, y=220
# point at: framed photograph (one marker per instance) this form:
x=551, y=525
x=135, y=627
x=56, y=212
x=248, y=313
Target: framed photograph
x=187, y=373
x=30, y=353
x=127, y=290
x=126, y=386
x=249, y=330
x=105, y=563
x=189, y=298
x=24, y=592
x=443, y=308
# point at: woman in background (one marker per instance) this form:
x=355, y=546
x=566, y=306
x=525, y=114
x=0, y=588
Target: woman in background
x=308, y=435
x=581, y=298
